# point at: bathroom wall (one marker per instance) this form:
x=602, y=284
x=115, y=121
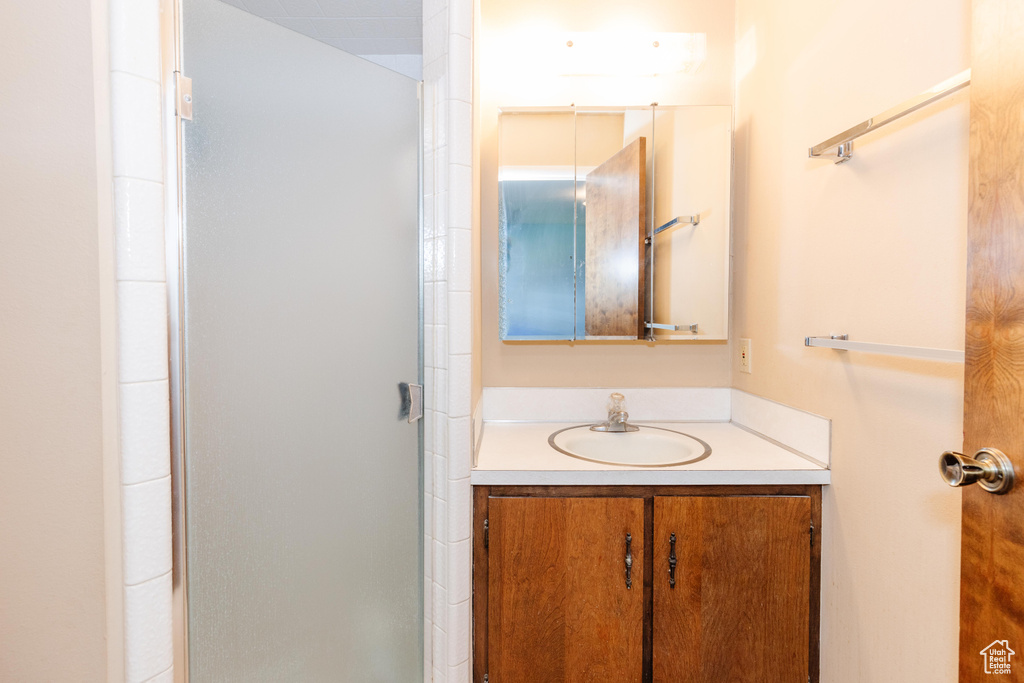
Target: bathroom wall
x=58, y=396
x=505, y=77
x=874, y=248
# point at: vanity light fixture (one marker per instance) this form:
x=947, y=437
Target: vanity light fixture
x=606, y=53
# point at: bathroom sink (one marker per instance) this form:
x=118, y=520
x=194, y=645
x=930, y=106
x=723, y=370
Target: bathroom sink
x=647, y=447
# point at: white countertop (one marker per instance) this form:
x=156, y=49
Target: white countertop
x=518, y=454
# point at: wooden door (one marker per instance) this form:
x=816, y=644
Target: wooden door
x=992, y=546
x=616, y=211
x=740, y=607
x=559, y=607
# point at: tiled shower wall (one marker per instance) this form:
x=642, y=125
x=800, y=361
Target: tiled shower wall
x=448, y=202
x=143, y=401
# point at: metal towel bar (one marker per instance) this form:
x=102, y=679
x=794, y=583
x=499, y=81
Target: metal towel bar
x=843, y=143
x=842, y=343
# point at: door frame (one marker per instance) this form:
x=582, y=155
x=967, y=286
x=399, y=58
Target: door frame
x=171, y=49
x=174, y=222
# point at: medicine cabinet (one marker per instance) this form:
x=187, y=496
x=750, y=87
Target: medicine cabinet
x=614, y=223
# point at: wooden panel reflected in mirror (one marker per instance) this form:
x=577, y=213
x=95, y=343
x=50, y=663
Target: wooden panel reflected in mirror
x=616, y=203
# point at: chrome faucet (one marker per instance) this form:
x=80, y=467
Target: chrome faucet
x=618, y=418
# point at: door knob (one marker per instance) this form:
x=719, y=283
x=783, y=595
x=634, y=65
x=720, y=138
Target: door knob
x=989, y=467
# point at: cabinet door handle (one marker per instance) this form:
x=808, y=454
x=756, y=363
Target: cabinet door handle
x=672, y=561
x=629, y=561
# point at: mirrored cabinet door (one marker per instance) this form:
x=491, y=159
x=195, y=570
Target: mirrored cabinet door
x=613, y=211
x=692, y=183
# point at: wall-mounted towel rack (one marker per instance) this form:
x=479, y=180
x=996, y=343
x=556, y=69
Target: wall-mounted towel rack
x=693, y=220
x=692, y=329
x=841, y=342
x=843, y=143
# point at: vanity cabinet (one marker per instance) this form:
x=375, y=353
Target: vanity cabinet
x=721, y=583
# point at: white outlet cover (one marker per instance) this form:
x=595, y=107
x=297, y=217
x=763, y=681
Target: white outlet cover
x=746, y=361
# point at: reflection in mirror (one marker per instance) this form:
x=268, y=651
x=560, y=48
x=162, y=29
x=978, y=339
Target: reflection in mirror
x=614, y=223
x=692, y=177
x=535, y=226
x=612, y=208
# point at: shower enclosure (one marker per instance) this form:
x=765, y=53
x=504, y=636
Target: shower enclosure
x=298, y=485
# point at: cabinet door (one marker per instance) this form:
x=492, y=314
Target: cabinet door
x=740, y=607
x=559, y=607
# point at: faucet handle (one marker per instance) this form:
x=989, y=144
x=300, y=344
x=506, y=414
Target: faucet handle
x=616, y=403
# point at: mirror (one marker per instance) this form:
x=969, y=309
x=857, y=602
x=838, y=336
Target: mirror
x=614, y=223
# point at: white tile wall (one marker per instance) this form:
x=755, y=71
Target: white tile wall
x=142, y=331
x=134, y=26
x=145, y=431
x=166, y=677
x=460, y=323
x=448, y=187
x=461, y=118
x=147, y=506
x=140, y=229
x=135, y=125
x=137, y=188
x=149, y=649
x=460, y=260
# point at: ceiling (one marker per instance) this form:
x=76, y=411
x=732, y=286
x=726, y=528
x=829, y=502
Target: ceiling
x=389, y=32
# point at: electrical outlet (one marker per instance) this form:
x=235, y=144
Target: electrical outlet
x=746, y=362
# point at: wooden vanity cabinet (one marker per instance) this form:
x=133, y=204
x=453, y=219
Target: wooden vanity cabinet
x=551, y=601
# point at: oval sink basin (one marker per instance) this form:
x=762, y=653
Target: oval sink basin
x=648, y=447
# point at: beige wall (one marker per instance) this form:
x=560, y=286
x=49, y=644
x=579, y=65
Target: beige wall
x=874, y=248
x=53, y=613
x=501, y=84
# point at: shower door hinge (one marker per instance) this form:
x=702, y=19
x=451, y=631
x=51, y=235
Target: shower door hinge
x=487, y=534
x=183, y=96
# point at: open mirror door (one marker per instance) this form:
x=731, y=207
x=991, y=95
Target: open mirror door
x=616, y=200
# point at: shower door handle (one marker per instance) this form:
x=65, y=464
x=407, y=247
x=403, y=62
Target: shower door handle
x=412, y=401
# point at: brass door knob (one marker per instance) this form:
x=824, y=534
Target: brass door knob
x=989, y=467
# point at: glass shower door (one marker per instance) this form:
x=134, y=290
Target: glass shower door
x=301, y=317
